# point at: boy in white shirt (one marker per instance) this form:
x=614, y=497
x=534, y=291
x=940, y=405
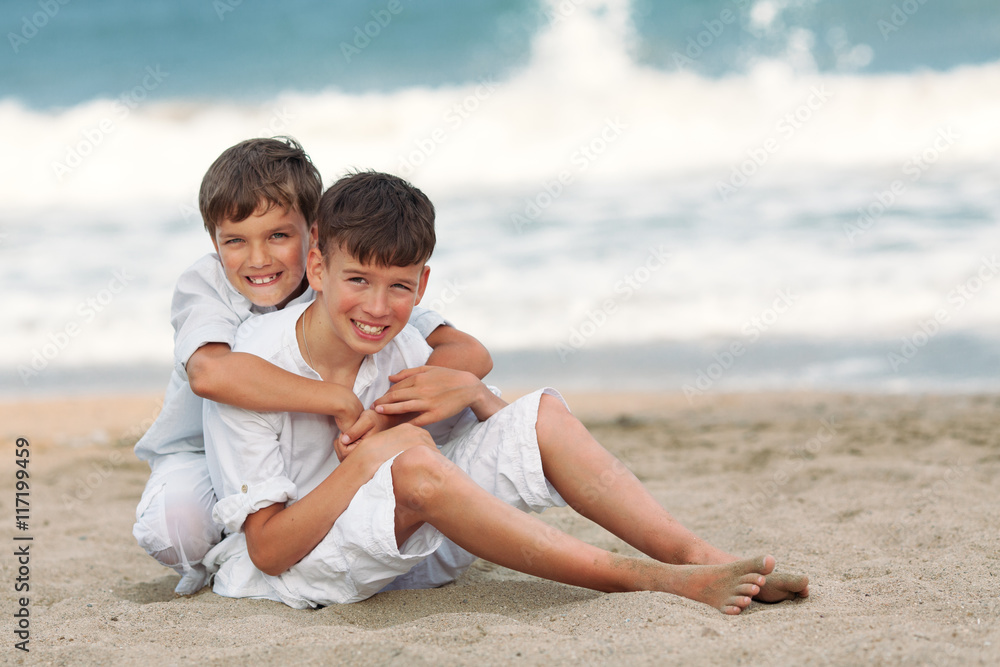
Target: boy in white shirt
x=257, y=200
x=309, y=525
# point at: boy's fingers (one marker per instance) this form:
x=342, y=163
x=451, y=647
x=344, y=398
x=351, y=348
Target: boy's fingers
x=385, y=399
x=396, y=395
x=424, y=418
x=344, y=450
x=341, y=450
x=400, y=408
x=344, y=426
x=407, y=372
x=359, y=428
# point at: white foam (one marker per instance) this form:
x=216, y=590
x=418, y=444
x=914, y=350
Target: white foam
x=526, y=129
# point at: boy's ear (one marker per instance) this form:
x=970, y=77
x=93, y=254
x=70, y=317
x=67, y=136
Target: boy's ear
x=422, y=286
x=315, y=266
x=313, y=235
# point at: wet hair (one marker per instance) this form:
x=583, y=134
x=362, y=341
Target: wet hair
x=377, y=218
x=256, y=174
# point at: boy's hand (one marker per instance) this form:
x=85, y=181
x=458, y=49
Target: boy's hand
x=349, y=411
x=346, y=417
x=367, y=424
x=433, y=393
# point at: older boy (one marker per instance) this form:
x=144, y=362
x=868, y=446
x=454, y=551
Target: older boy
x=307, y=528
x=257, y=201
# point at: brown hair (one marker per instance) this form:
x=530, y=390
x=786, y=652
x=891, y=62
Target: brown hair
x=255, y=173
x=377, y=218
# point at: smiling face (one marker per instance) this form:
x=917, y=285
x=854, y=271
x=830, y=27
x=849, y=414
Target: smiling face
x=360, y=307
x=264, y=256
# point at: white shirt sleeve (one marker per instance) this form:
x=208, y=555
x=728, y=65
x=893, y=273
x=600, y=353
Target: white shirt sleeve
x=245, y=461
x=203, y=310
x=426, y=320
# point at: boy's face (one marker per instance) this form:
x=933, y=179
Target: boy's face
x=365, y=305
x=264, y=256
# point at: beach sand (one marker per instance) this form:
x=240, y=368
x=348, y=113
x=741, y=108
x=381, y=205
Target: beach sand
x=891, y=504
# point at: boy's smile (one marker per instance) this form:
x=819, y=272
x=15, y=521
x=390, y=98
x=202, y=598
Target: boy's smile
x=264, y=255
x=359, y=307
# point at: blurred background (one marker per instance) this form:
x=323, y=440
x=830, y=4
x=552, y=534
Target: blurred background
x=697, y=195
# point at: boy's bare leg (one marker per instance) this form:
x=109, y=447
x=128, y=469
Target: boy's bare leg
x=430, y=488
x=601, y=488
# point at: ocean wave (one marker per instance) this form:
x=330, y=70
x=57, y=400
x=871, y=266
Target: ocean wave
x=858, y=205
x=582, y=105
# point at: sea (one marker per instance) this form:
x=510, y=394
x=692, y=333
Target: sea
x=697, y=196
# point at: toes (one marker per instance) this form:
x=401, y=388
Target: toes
x=736, y=607
x=748, y=589
x=763, y=565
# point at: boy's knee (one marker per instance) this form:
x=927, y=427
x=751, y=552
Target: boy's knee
x=417, y=462
x=418, y=475
x=553, y=418
x=548, y=403
x=550, y=406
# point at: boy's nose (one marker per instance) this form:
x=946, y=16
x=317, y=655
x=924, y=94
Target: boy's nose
x=259, y=256
x=378, y=304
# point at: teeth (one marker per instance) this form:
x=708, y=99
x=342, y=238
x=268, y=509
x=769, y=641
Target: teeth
x=371, y=331
x=263, y=281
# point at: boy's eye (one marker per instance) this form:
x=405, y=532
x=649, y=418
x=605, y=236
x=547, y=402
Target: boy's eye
x=402, y=286
x=357, y=280
x=233, y=241
x=279, y=235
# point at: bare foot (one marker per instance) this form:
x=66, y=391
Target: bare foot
x=729, y=587
x=782, y=586
x=779, y=586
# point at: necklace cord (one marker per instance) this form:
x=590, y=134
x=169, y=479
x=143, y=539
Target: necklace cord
x=305, y=340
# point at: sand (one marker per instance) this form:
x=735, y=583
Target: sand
x=890, y=503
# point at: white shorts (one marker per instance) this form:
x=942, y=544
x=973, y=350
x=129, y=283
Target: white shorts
x=359, y=556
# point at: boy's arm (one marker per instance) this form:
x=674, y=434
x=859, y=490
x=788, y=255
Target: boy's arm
x=278, y=537
x=455, y=349
x=206, y=317
x=236, y=378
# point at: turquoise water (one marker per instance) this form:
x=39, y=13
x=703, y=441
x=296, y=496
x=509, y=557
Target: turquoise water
x=228, y=50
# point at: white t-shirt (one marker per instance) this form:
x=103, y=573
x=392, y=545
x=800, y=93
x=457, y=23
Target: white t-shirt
x=206, y=308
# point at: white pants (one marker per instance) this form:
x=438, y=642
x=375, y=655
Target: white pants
x=173, y=521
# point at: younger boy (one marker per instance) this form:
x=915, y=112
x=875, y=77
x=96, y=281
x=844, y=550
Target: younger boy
x=308, y=529
x=257, y=200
